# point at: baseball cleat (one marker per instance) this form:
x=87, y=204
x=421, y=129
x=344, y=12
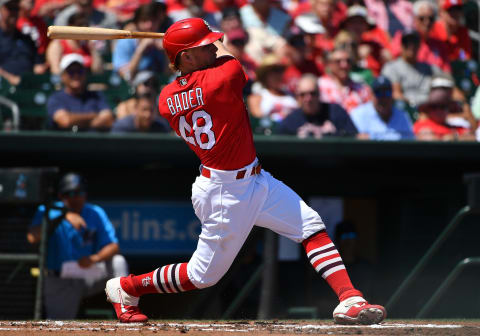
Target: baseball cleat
x=355, y=310
x=126, y=306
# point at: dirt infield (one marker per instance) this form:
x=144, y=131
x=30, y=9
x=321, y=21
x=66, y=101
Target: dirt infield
x=318, y=327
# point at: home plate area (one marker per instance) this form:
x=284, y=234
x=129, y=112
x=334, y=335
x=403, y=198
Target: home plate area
x=393, y=327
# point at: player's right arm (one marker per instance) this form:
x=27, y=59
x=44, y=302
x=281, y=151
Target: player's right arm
x=222, y=50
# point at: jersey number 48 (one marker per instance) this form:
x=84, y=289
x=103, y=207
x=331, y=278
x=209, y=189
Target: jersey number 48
x=203, y=135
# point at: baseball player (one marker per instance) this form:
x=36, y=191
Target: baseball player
x=232, y=193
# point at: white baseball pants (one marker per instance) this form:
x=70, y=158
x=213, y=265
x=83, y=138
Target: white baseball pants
x=229, y=208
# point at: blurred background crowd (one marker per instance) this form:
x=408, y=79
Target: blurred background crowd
x=367, y=69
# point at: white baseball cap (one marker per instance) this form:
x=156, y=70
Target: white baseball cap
x=69, y=59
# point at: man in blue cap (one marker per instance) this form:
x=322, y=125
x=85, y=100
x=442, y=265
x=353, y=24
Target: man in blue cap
x=82, y=249
x=380, y=119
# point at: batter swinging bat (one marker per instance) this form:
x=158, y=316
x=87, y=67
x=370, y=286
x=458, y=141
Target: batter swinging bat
x=91, y=33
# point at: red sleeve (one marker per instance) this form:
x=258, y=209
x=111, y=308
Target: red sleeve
x=227, y=69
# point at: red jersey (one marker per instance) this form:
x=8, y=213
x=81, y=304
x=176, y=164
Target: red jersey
x=206, y=109
x=36, y=28
x=439, y=130
x=459, y=44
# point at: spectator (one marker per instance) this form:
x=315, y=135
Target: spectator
x=431, y=50
x=380, y=119
x=314, y=118
x=133, y=55
x=410, y=78
x=143, y=83
x=391, y=15
x=47, y=9
x=95, y=17
x=236, y=41
x=123, y=9
x=450, y=29
x=265, y=25
x=34, y=26
x=82, y=249
x=86, y=48
x=230, y=19
x=143, y=118
x=194, y=8
x=373, y=42
x=336, y=85
x=261, y=14
x=462, y=118
x=346, y=41
x=75, y=108
x=433, y=125
x=18, y=53
x=270, y=101
x=299, y=58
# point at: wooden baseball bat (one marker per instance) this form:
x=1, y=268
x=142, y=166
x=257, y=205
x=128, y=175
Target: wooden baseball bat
x=92, y=33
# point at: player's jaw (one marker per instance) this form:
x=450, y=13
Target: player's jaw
x=204, y=56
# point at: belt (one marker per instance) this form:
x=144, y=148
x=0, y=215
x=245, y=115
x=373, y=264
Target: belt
x=240, y=174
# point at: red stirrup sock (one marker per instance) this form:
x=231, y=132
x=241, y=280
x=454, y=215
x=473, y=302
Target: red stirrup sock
x=171, y=278
x=326, y=260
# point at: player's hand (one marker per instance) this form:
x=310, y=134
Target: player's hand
x=76, y=220
x=86, y=262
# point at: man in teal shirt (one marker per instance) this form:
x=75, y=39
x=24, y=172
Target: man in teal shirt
x=82, y=249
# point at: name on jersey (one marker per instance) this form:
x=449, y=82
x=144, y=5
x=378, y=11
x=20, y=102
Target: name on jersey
x=185, y=100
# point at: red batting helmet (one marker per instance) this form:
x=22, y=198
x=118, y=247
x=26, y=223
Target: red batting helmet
x=186, y=34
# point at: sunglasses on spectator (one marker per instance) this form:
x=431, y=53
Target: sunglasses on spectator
x=439, y=107
x=424, y=18
x=73, y=193
x=341, y=60
x=75, y=71
x=383, y=94
x=238, y=42
x=307, y=93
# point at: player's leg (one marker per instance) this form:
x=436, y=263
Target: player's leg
x=287, y=214
x=227, y=212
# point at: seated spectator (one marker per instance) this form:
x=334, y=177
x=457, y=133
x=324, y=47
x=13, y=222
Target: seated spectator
x=230, y=19
x=59, y=48
x=47, y=9
x=194, y=8
x=262, y=14
x=463, y=117
x=392, y=16
x=18, y=53
x=265, y=25
x=373, y=42
x=35, y=27
x=123, y=9
x=143, y=118
x=337, y=87
x=313, y=118
x=75, y=108
x=82, y=249
x=450, y=29
x=431, y=50
x=143, y=83
x=236, y=40
x=433, y=125
x=270, y=101
x=410, y=78
x=133, y=55
x=380, y=119
x=324, y=19
x=95, y=17
x=346, y=41
x=298, y=58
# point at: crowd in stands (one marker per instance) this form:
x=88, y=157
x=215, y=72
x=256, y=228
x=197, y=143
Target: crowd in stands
x=368, y=69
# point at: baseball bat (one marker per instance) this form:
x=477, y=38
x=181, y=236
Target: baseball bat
x=92, y=33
